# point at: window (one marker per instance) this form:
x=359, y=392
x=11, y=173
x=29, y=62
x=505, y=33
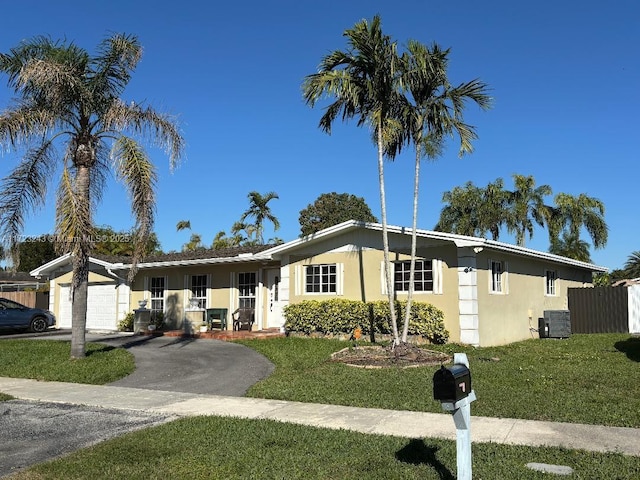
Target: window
x=156, y=288
x=496, y=276
x=551, y=277
x=199, y=290
x=321, y=278
x=422, y=280
x=247, y=290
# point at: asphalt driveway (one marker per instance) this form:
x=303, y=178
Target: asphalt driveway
x=33, y=432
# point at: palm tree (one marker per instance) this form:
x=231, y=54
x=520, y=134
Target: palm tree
x=575, y=212
x=364, y=83
x=632, y=265
x=526, y=207
x=67, y=98
x=260, y=211
x=571, y=246
x=435, y=109
x=461, y=214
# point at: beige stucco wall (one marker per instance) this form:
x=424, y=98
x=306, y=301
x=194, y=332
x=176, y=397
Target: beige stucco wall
x=362, y=278
x=513, y=315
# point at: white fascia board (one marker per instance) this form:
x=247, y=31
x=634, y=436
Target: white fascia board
x=200, y=261
x=63, y=260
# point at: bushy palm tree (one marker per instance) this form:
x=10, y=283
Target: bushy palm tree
x=526, y=207
x=474, y=211
x=632, y=265
x=575, y=212
x=260, y=211
x=571, y=246
x=364, y=85
x=66, y=98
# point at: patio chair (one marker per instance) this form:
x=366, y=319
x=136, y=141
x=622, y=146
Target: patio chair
x=243, y=319
x=217, y=315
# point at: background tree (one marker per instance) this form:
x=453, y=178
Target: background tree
x=632, y=265
x=260, y=211
x=331, y=209
x=33, y=254
x=67, y=98
x=571, y=246
x=575, y=212
x=461, y=214
x=195, y=240
x=120, y=243
x=364, y=84
x=527, y=207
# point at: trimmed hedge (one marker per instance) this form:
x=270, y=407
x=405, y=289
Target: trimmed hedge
x=340, y=316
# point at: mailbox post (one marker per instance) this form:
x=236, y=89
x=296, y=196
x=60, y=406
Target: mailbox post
x=452, y=386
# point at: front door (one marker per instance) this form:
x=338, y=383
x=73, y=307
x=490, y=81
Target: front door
x=274, y=306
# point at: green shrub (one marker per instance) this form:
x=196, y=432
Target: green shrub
x=157, y=319
x=338, y=316
x=126, y=324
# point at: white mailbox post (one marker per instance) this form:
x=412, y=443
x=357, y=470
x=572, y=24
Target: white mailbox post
x=452, y=386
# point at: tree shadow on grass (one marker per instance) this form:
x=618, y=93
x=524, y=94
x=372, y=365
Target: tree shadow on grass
x=416, y=452
x=630, y=347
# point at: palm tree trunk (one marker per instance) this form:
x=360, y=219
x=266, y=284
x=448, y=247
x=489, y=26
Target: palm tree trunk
x=79, y=308
x=412, y=269
x=80, y=250
x=385, y=240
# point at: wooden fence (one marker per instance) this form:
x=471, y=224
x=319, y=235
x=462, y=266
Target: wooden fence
x=29, y=299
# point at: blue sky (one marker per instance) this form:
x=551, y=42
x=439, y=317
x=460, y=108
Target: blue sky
x=564, y=77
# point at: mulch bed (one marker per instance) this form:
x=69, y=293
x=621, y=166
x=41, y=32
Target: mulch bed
x=403, y=355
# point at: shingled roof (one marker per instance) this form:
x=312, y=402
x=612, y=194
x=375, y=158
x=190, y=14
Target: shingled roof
x=200, y=254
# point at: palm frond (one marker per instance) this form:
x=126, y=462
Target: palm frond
x=23, y=190
x=139, y=176
x=117, y=57
x=73, y=217
x=159, y=129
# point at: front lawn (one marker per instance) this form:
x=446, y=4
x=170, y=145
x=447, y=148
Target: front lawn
x=592, y=379
x=214, y=447
x=50, y=360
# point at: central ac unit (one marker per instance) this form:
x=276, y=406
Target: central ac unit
x=555, y=324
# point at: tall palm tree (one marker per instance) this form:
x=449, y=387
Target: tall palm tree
x=461, y=214
x=571, y=246
x=67, y=98
x=260, y=211
x=632, y=265
x=575, y=212
x=526, y=207
x=434, y=109
x=364, y=83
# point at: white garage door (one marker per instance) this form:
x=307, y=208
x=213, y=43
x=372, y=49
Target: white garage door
x=101, y=307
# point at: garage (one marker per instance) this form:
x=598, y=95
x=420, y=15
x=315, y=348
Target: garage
x=102, y=307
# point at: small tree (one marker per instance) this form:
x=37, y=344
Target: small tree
x=331, y=209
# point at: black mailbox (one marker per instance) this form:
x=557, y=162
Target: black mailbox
x=451, y=384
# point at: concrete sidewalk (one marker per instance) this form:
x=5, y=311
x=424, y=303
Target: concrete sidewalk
x=366, y=420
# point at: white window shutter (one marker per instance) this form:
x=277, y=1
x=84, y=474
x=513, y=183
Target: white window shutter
x=146, y=295
x=505, y=278
x=209, y=290
x=297, y=280
x=383, y=279
x=436, y=267
x=185, y=296
x=340, y=278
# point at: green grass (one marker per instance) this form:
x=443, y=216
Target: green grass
x=593, y=379
x=212, y=447
x=50, y=360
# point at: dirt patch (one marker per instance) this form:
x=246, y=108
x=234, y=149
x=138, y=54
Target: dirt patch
x=403, y=356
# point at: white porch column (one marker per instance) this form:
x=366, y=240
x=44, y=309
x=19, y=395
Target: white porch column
x=468, y=296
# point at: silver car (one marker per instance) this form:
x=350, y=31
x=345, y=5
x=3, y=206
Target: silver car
x=16, y=315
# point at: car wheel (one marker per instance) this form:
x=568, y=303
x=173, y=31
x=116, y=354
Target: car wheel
x=39, y=324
